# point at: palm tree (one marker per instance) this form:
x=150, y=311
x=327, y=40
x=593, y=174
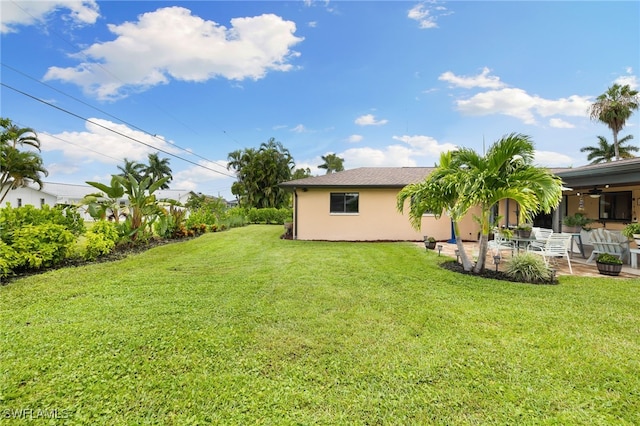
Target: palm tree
x=613, y=108
x=132, y=167
x=464, y=180
x=19, y=168
x=107, y=202
x=158, y=169
x=605, y=152
x=332, y=163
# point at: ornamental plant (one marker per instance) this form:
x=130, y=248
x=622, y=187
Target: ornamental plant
x=608, y=259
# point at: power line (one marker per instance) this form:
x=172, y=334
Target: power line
x=107, y=71
x=112, y=130
x=104, y=112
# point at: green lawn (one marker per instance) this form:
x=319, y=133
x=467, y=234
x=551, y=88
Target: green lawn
x=241, y=327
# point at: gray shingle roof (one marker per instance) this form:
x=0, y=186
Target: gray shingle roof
x=365, y=176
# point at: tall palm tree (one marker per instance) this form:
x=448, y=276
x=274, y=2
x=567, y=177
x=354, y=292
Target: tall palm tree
x=132, y=167
x=613, y=108
x=332, y=163
x=19, y=168
x=464, y=179
x=605, y=152
x=158, y=169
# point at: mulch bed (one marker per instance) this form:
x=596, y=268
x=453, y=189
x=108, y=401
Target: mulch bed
x=455, y=266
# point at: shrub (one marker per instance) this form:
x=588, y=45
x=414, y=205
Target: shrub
x=528, y=268
x=8, y=259
x=269, y=215
x=42, y=245
x=12, y=219
x=100, y=240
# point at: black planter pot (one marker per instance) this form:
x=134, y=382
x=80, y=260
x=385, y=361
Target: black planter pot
x=608, y=269
x=430, y=245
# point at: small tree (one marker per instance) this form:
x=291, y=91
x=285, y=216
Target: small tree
x=464, y=180
x=19, y=168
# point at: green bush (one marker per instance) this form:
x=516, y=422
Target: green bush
x=100, y=240
x=16, y=218
x=8, y=259
x=269, y=215
x=234, y=217
x=42, y=245
x=528, y=268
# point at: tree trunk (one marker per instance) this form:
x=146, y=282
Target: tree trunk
x=615, y=145
x=467, y=265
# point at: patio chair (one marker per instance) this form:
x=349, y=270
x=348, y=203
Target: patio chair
x=557, y=245
x=605, y=241
x=541, y=235
x=500, y=243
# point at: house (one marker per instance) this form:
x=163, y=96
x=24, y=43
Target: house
x=608, y=193
x=53, y=194
x=360, y=205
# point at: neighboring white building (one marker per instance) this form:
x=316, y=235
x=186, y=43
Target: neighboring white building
x=52, y=194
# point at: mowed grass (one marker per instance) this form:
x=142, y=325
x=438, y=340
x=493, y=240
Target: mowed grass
x=241, y=327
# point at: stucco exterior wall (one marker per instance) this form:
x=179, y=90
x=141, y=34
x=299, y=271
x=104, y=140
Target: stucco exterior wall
x=591, y=207
x=377, y=219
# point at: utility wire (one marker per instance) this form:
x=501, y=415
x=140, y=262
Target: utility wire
x=104, y=112
x=113, y=131
x=107, y=71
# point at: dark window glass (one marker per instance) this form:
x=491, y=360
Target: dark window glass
x=344, y=202
x=615, y=206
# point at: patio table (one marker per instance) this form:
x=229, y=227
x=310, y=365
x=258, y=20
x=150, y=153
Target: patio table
x=579, y=242
x=522, y=242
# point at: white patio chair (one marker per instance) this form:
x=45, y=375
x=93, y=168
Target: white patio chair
x=541, y=235
x=500, y=243
x=557, y=245
x=605, y=241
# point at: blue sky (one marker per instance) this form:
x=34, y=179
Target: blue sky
x=377, y=83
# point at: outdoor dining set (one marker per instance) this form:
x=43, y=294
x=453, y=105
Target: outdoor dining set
x=556, y=245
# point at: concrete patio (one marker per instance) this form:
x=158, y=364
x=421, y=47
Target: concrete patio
x=578, y=263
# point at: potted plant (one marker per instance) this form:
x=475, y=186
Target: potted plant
x=632, y=230
x=575, y=223
x=608, y=264
x=524, y=231
x=429, y=243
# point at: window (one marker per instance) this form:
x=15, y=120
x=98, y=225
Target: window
x=42, y=202
x=615, y=206
x=19, y=202
x=344, y=202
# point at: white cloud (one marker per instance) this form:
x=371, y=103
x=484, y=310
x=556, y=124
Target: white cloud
x=483, y=80
x=354, y=138
x=631, y=80
x=369, y=120
x=299, y=129
x=195, y=177
x=413, y=151
x=97, y=144
x=560, y=124
x=425, y=145
x=427, y=14
x=519, y=104
x=172, y=43
x=552, y=159
x=20, y=13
